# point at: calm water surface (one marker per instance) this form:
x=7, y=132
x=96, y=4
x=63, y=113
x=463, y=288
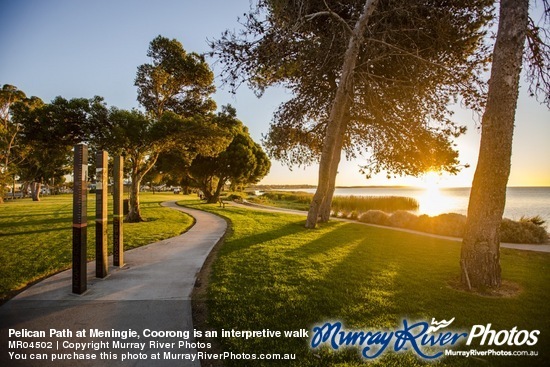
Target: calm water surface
x=520, y=201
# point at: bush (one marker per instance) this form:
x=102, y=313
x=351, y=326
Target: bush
x=237, y=196
x=449, y=224
x=353, y=215
x=535, y=220
x=375, y=217
x=403, y=219
x=523, y=231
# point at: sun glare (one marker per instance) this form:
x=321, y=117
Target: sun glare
x=431, y=181
x=432, y=202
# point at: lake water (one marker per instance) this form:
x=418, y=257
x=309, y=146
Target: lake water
x=520, y=201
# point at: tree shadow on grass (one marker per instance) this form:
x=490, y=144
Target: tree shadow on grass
x=33, y=232
x=263, y=237
x=329, y=278
x=39, y=222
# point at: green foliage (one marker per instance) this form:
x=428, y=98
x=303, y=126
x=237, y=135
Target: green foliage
x=403, y=219
x=174, y=81
x=35, y=240
x=449, y=224
x=10, y=155
x=523, y=231
x=537, y=220
x=378, y=217
x=272, y=273
x=415, y=59
x=242, y=162
x=49, y=131
x=236, y=196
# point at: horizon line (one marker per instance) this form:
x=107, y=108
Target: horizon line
x=311, y=186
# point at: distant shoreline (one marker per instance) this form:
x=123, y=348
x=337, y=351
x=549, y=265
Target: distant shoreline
x=297, y=187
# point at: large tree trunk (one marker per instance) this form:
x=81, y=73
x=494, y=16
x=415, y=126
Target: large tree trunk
x=340, y=106
x=325, y=209
x=480, y=257
x=217, y=193
x=134, y=210
x=139, y=170
x=35, y=190
x=208, y=191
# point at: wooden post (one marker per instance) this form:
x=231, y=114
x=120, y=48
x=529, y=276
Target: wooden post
x=80, y=219
x=118, y=216
x=101, y=189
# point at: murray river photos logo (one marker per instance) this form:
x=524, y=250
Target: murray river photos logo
x=428, y=341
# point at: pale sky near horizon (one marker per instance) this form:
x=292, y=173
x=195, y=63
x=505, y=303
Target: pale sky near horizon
x=84, y=48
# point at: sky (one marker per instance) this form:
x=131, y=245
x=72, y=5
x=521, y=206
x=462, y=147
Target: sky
x=74, y=49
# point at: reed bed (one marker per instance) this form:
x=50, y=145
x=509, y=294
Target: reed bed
x=346, y=205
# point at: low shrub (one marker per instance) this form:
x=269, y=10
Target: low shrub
x=522, y=232
x=452, y=224
x=236, y=196
x=375, y=217
x=403, y=219
x=449, y=224
x=353, y=215
x=535, y=220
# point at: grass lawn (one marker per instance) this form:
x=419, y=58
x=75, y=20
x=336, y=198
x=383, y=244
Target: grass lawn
x=36, y=237
x=271, y=273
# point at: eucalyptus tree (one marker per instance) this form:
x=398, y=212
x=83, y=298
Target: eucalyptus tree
x=397, y=65
x=480, y=256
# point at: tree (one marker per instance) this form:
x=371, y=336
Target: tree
x=225, y=152
x=413, y=59
x=175, y=91
x=243, y=162
x=174, y=81
x=143, y=139
x=49, y=131
x=480, y=255
x=338, y=118
x=9, y=95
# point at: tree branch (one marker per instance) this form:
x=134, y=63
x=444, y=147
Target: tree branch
x=409, y=53
x=329, y=12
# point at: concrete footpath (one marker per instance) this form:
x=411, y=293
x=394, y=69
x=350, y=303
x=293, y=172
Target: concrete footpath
x=151, y=291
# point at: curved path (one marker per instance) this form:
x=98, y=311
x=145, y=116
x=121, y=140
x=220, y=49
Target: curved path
x=152, y=290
